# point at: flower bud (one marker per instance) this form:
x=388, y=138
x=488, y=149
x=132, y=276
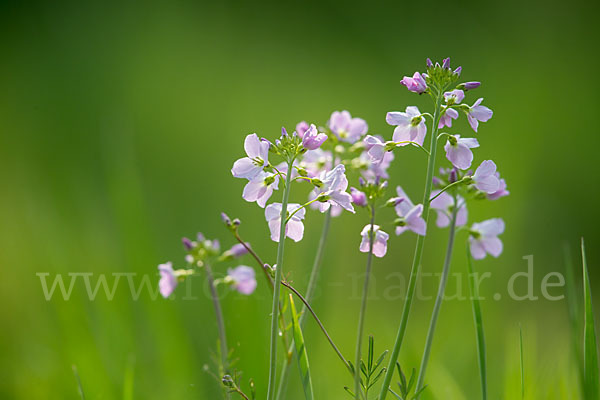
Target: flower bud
x=471, y=85
x=429, y=63
x=359, y=198
x=187, y=243
x=452, y=176
x=394, y=201
x=317, y=182
x=228, y=381
x=283, y=132
x=446, y=63
x=457, y=71
x=238, y=250
x=226, y=220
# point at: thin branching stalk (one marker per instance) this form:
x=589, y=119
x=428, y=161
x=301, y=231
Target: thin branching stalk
x=220, y=321
x=478, y=320
x=363, y=307
x=414, y=272
x=312, y=284
x=275, y=309
x=438, y=302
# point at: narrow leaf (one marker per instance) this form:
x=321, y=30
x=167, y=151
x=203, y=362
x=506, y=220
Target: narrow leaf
x=590, y=346
x=481, y=351
x=129, y=378
x=574, y=306
x=79, y=386
x=301, y=355
x=522, y=363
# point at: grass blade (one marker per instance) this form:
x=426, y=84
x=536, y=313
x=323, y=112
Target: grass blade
x=574, y=307
x=128, y=379
x=301, y=354
x=590, y=347
x=481, y=352
x=78, y=383
x=521, y=359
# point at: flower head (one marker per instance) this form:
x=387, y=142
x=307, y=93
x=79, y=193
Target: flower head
x=168, y=280
x=294, y=229
x=444, y=206
x=312, y=139
x=257, y=151
x=471, y=85
x=458, y=151
x=456, y=96
x=380, y=239
x=346, y=128
x=485, y=177
x=261, y=188
x=375, y=148
x=484, y=238
x=332, y=190
x=447, y=117
x=415, y=84
x=243, y=279
x=478, y=113
x=412, y=220
x=410, y=126
x=316, y=161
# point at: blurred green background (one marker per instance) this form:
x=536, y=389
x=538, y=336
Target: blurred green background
x=119, y=123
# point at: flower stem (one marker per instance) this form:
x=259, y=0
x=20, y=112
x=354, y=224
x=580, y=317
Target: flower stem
x=438, y=302
x=312, y=284
x=276, y=286
x=414, y=272
x=220, y=323
x=363, y=308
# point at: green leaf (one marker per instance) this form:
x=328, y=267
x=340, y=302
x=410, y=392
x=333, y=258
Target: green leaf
x=590, y=346
x=481, y=351
x=301, y=354
x=574, y=307
x=521, y=359
x=129, y=378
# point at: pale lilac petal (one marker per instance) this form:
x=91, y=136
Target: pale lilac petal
x=441, y=202
x=343, y=199
x=462, y=216
x=380, y=244
x=357, y=127
x=487, y=168
x=402, y=133
x=490, y=227
x=295, y=229
x=274, y=227
x=489, y=184
x=397, y=118
x=254, y=189
x=339, y=121
x=413, y=111
x=492, y=245
x=469, y=142
x=299, y=215
x=168, y=281
x=459, y=155
x=273, y=211
x=442, y=219
x=244, y=280
x=252, y=146
x=376, y=153
x=262, y=200
x=245, y=168
x=477, y=249
x=473, y=122
x=482, y=113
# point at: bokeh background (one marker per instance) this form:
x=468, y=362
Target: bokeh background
x=119, y=123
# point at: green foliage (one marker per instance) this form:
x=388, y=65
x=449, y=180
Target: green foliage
x=406, y=385
x=371, y=372
x=301, y=354
x=590, y=347
x=481, y=350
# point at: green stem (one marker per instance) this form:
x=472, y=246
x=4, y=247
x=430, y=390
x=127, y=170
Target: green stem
x=220, y=323
x=300, y=208
x=312, y=284
x=363, y=308
x=481, y=352
x=414, y=272
x=438, y=303
x=276, y=287
x=446, y=188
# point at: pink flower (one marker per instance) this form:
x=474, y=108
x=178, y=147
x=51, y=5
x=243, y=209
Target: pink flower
x=312, y=139
x=316, y=161
x=346, y=128
x=294, y=229
x=501, y=192
x=478, y=113
x=375, y=148
x=484, y=238
x=238, y=250
x=455, y=96
x=379, y=243
x=302, y=127
x=415, y=84
x=444, y=206
x=410, y=126
x=333, y=190
x=261, y=188
x=258, y=157
x=243, y=278
x=409, y=214
x=413, y=221
x=485, y=177
x=447, y=117
x=458, y=151
x=168, y=280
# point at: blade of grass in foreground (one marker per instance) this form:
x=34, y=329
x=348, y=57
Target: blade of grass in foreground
x=590, y=349
x=574, y=308
x=521, y=359
x=474, y=292
x=78, y=383
x=128, y=379
x=301, y=355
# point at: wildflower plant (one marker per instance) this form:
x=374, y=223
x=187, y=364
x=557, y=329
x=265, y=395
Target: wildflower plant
x=344, y=168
